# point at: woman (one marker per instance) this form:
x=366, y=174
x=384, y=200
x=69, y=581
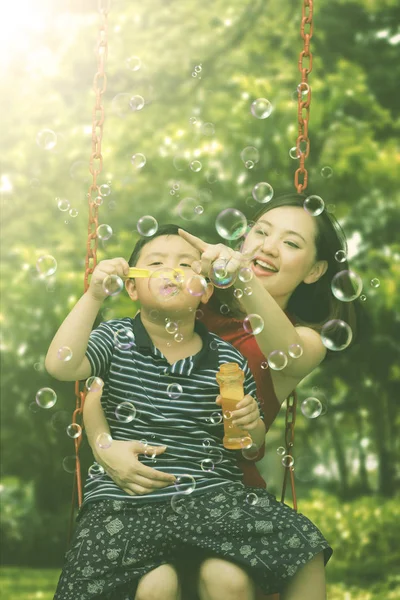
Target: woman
x=287, y=285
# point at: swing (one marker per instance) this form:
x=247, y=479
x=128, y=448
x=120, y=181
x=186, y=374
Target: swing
x=95, y=168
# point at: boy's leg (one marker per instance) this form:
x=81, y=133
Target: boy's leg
x=308, y=582
x=162, y=582
x=224, y=580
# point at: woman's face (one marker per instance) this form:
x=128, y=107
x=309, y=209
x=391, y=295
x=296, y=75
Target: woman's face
x=287, y=253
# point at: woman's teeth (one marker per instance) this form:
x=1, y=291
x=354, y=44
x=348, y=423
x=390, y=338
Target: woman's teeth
x=265, y=266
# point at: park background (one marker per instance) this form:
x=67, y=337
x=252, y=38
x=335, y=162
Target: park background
x=202, y=64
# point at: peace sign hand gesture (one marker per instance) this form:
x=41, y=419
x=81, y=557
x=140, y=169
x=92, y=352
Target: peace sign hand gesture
x=210, y=253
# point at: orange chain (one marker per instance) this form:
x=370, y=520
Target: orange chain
x=95, y=168
x=304, y=90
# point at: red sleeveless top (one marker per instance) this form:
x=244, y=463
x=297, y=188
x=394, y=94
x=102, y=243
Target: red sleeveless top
x=232, y=331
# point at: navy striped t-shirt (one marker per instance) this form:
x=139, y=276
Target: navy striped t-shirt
x=175, y=406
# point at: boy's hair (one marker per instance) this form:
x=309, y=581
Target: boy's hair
x=169, y=229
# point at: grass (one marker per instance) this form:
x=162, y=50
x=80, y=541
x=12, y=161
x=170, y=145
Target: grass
x=39, y=584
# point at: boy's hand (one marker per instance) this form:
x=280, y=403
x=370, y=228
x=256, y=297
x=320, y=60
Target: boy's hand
x=246, y=415
x=114, y=266
x=121, y=463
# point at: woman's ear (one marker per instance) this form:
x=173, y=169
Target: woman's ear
x=316, y=271
x=130, y=287
x=207, y=294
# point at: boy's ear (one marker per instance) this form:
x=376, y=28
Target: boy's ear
x=207, y=294
x=130, y=287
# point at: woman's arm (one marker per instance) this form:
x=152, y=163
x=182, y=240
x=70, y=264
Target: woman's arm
x=95, y=422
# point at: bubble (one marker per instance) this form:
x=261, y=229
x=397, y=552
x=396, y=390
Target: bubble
x=248, y=291
x=185, y=484
x=176, y=186
x=251, y=452
x=214, y=345
x=104, y=232
x=138, y=160
x=133, y=63
x=375, y=283
x=205, y=195
x=363, y=297
x=125, y=412
x=208, y=129
x=336, y=335
x=199, y=314
x=224, y=309
x=264, y=365
x=253, y=324
x=188, y=209
x=262, y=192
x=73, y=213
x=124, y=339
x=198, y=210
x=250, y=201
x=295, y=350
x=288, y=460
x=104, y=190
x=294, y=153
x=150, y=452
x=120, y=105
x=46, y=139
x=250, y=154
x=136, y=102
x=69, y=464
x=196, y=285
x=198, y=68
x=246, y=442
x=238, y=293
x=303, y=88
x=147, y=225
x=231, y=224
x=326, y=172
x=171, y=327
x=281, y=451
x=192, y=120
x=346, y=286
x=207, y=465
x=74, y=430
x=174, y=390
x=46, y=398
x=94, y=384
x=195, y=165
x=104, y=440
x=46, y=265
x=181, y=504
x=277, y=360
x=64, y=353
x=180, y=162
x=219, y=275
x=311, y=408
x=252, y=499
x=245, y=274
x=216, y=418
x=95, y=471
x=63, y=204
x=112, y=285
x=98, y=201
x=314, y=205
x=340, y=256
x=227, y=414
x=165, y=284
x=261, y=108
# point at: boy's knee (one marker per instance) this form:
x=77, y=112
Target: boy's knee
x=162, y=582
x=223, y=577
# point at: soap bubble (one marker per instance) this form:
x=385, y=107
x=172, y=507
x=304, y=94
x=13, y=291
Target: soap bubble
x=363, y=297
x=180, y=162
x=46, y=265
x=95, y=471
x=182, y=504
x=248, y=291
x=340, y=256
x=165, y=284
x=219, y=276
x=277, y=360
x=336, y=335
x=216, y=418
x=238, y=293
x=346, y=286
x=174, y=390
x=120, y=105
x=208, y=129
x=281, y=451
x=245, y=274
x=112, y=285
x=261, y=108
x=104, y=440
x=105, y=190
x=295, y=350
x=250, y=452
x=63, y=204
x=133, y=63
x=73, y=212
x=264, y=365
x=198, y=210
x=136, y=102
x=124, y=339
x=288, y=460
x=46, y=398
x=294, y=153
x=187, y=209
x=326, y=172
x=138, y=160
x=253, y=324
x=195, y=165
x=231, y=224
x=185, y=484
x=262, y=192
x=74, y=430
x=375, y=283
x=64, y=353
x=125, y=412
x=252, y=499
x=196, y=285
x=171, y=327
x=250, y=156
x=46, y=139
x=104, y=232
x=147, y=226
x=94, y=384
x=69, y=464
x=314, y=205
x=207, y=465
x=192, y=120
x=311, y=408
x=246, y=442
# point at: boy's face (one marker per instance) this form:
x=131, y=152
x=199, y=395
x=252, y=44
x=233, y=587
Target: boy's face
x=163, y=256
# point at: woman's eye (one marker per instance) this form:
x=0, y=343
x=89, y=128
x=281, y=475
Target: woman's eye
x=185, y=265
x=292, y=244
x=260, y=232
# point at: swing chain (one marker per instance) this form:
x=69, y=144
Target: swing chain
x=304, y=96
x=289, y=440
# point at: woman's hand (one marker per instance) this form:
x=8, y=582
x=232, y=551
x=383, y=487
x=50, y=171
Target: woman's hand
x=247, y=414
x=233, y=261
x=121, y=463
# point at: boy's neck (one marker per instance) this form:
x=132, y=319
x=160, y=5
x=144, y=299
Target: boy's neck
x=158, y=332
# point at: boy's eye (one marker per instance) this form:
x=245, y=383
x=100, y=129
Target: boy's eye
x=155, y=263
x=185, y=265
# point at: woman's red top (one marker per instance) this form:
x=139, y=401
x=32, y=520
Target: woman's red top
x=232, y=331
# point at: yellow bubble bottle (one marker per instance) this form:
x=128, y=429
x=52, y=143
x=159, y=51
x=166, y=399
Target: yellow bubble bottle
x=230, y=380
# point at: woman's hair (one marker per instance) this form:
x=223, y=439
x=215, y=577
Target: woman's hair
x=314, y=304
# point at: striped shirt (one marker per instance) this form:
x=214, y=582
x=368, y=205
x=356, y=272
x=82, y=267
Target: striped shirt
x=175, y=406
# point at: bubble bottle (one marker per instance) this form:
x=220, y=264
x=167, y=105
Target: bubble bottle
x=230, y=380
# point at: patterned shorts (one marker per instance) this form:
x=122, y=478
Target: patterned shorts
x=115, y=543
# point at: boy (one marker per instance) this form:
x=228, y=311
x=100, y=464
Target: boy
x=164, y=389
